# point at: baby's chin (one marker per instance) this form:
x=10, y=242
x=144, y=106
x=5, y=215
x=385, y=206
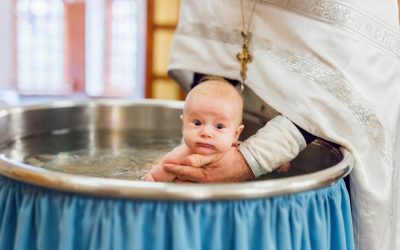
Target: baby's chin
x=204, y=151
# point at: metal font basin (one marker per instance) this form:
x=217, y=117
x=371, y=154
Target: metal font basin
x=320, y=165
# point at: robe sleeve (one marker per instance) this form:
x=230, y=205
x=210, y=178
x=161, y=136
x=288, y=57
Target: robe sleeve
x=278, y=142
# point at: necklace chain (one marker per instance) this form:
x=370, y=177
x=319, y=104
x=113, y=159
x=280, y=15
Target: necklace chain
x=247, y=29
x=244, y=57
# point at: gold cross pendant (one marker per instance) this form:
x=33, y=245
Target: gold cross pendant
x=244, y=58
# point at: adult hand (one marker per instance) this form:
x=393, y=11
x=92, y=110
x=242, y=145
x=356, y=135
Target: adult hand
x=231, y=167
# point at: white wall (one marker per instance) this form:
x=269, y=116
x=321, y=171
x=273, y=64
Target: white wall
x=6, y=43
x=7, y=95
x=94, y=40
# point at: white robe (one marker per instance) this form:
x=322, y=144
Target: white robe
x=331, y=67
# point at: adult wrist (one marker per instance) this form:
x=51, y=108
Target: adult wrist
x=248, y=172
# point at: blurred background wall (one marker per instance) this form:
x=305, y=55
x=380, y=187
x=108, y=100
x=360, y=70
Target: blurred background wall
x=91, y=48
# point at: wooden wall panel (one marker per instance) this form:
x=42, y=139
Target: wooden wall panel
x=162, y=20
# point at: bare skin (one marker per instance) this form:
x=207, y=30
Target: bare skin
x=209, y=169
x=209, y=153
x=206, y=131
x=229, y=168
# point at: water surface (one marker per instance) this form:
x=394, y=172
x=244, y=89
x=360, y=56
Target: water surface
x=102, y=153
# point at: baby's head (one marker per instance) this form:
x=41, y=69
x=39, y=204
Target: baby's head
x=212, y=116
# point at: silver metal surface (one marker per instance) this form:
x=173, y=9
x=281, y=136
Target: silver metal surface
x=320, y=165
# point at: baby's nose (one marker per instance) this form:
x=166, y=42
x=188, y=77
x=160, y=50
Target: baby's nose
x=206, y=131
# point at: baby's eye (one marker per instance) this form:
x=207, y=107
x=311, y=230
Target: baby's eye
x=197, y=123
x=220, y=126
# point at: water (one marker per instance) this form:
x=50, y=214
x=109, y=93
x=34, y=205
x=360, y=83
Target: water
x=127, y=154
x=101, y=153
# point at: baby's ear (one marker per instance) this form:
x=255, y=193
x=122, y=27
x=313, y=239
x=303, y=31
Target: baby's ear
x=238, y=131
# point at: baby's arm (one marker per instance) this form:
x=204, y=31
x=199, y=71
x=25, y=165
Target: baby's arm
x=157, y=173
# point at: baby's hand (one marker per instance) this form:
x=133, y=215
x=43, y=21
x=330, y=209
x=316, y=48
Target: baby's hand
x=149, y=176
x=157, y=173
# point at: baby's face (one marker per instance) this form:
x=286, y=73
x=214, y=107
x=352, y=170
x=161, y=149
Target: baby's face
x=210, y=125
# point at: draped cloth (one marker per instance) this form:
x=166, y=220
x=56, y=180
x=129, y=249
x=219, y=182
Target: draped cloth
x=331, y=67
x=37, y=218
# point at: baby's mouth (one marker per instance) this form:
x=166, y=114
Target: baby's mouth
x=204, y=145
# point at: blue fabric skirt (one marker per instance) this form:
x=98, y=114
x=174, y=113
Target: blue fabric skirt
x=32, y=217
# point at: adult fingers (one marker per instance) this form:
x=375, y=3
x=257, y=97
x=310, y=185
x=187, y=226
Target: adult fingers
x=195, y=174
x=284, y=168
x=177, y=180
x=196, y=160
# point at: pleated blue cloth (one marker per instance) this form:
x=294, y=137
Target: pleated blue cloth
x=32, y=217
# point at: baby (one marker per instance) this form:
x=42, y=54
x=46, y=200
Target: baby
x=211, y=124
